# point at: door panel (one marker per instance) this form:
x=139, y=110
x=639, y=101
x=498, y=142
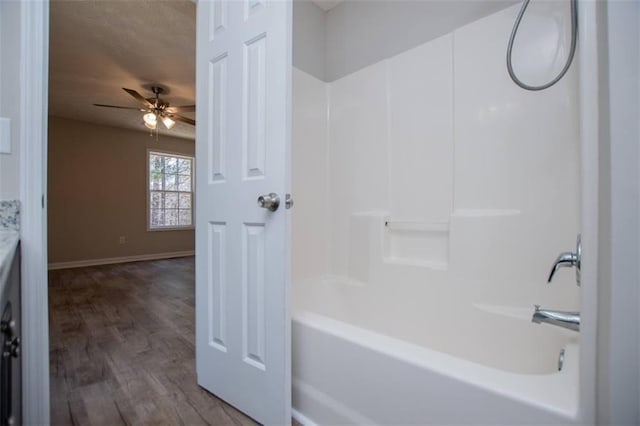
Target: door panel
x=242, y=251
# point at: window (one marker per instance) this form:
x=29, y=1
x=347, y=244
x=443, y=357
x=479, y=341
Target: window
x=170, y=191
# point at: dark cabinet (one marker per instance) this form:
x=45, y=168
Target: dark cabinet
x=10, y=356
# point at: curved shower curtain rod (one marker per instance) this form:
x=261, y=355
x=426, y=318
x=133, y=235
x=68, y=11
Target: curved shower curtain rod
x=574, y=38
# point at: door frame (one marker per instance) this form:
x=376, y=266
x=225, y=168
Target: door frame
x=34, y=45
x=33, y=127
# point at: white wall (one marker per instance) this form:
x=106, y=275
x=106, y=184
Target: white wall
x=10, y=95
x=309, y=38
x=516, y=160
x=360, y=33
x=310, y=183
x=438, y=139
x=619, y=339
x=356, y=34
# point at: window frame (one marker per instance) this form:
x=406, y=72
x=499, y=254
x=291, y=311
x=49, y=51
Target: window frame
x=151, y=151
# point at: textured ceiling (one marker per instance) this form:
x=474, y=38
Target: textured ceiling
x=99, y=46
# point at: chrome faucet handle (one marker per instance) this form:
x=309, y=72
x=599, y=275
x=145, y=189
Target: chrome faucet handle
x=567, y=260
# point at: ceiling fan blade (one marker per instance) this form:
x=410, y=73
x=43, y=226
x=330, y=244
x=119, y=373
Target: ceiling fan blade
x=120, y=107
x=182, y=108
x=182, y=118
x=139, y=97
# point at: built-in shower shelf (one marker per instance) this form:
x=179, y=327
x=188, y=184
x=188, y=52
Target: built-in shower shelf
x=419, y=244
x=417, y=226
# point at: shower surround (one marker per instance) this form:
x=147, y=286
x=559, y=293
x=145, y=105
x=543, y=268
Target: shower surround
x=432, y=195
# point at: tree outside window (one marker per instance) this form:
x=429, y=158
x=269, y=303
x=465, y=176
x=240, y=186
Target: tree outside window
x=170, y=191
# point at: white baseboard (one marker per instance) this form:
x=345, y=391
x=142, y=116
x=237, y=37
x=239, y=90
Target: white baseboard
x=125, y=259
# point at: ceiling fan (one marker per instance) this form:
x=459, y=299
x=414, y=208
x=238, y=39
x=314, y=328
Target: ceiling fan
x=157, y=109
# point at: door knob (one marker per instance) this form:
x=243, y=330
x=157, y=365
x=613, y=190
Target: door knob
x=270, y=201
x=567, y=260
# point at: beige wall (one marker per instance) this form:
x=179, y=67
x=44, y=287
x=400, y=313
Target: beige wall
x=97, y=192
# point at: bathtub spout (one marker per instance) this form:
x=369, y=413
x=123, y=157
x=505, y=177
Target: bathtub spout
x=570, y=320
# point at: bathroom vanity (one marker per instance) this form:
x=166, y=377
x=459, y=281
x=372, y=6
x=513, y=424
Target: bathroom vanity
x=10, y=326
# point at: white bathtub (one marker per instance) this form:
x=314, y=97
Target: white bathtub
x=348, y=374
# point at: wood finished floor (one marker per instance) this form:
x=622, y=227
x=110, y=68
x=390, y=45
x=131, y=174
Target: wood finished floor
x=122, y=347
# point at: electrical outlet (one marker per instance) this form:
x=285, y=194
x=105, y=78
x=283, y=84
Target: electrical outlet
x=122, y=240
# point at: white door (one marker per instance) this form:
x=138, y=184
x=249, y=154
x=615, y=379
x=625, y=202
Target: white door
x=243, y=338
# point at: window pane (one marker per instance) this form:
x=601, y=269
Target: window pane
x=155, y=181
x=184, y=166
x=171, y=217
x=170, y=191
x=184, y=183
x=170, y=165
x=171, y=200
x=185, y=217
x=170, y=182
x=156, y=200
x=185, y=201
x=155, y=164
x=157, y=218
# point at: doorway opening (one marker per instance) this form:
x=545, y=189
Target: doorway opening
x=120, y=216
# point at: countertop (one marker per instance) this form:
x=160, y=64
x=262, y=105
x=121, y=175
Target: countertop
x=8, y=242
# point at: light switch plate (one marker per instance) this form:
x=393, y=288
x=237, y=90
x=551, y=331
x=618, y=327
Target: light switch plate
x=5, y=135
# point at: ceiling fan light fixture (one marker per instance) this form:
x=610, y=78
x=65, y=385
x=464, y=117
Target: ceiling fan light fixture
x=150, y=126
x=168, y=122
x=150, y=120
x=156, y=109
